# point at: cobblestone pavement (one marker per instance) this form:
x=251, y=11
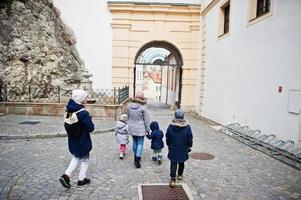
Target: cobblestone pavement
x=47, y=125
x=30, y=169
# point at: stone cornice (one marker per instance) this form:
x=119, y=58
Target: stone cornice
x=154, y=7
x=121, y=26
x=209, y=7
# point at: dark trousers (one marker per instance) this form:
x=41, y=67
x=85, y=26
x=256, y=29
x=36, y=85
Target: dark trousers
x=173, y=169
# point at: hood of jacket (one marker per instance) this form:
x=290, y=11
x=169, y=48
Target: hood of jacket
x=179, y=123
x=120, y=124
x=136, y=103
x=154, y=126
x=73, y=107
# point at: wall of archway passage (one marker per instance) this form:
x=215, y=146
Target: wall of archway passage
x=135, y=25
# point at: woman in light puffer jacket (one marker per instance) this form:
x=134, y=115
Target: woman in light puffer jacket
x=138, y=124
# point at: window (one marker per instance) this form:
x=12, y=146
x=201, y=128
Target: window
x=258, y=10
x=263, y=7
x=224, y=19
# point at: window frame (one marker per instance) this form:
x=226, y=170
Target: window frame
x=253, y=16
x=265, y=9
x=224, y=19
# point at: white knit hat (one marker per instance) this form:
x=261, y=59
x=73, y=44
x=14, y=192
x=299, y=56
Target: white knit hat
x=123, y=117
x=79, y=96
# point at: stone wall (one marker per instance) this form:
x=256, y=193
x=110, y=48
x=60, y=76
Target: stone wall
x=58, y=109
x=36, y=47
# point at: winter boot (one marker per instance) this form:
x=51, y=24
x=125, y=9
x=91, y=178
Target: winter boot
x=159, y=159
x=135, y=160
x=180, y=177
x=137, y=163
x=172, y=183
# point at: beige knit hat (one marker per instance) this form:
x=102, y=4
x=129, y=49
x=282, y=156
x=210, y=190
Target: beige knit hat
x=139, y=94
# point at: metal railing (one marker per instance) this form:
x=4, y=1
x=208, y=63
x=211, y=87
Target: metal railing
x=58, y=95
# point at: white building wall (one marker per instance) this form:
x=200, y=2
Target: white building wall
x=172, y=97
x=245, y=69
x=169, y=98
x=139, y=77
x=91, y=22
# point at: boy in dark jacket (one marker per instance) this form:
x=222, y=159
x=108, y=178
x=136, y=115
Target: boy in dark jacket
x=157, y=143
x=79, y=146
x=179, y=141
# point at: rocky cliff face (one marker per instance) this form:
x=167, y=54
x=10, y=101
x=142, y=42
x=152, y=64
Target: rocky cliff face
x=36, y=48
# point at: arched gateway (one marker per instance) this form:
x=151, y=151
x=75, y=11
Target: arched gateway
x=160, y=42
x=158, y=72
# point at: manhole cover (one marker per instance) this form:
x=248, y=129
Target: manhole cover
x=201, y=156
x=159, y=192
x=30, y=122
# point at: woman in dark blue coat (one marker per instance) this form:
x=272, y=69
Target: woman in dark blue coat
x=81, y=145
x=157, y=141
x=179, y=141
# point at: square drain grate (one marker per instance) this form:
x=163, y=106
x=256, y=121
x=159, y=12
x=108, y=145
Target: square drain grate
x=30, y=122
x=163, y=191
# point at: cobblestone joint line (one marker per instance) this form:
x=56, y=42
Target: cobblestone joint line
x=53, y=135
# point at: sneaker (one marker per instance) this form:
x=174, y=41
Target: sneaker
x=121, y=156
x=172, y=183
x=65, y=181
x=83, y=182
x=159, y=162
x=154, y=159
x=180, y=177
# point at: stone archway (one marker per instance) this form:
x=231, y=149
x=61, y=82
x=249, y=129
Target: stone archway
x=136, y=24
x=158, y=72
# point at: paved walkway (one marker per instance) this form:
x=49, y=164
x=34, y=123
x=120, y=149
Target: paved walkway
x=29, y=169
x=16, y=126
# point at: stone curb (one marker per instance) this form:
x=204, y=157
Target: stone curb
x=53, y=135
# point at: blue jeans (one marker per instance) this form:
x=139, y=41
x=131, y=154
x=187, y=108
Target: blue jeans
x=138, y=145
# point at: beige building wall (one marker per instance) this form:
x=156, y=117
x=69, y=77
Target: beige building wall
x=134, y=25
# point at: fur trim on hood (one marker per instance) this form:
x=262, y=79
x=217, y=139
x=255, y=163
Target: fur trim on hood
x=137, y=100
x=179, y=122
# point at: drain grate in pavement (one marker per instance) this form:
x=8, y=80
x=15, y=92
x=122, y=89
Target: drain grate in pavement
x=201, y=156
x=30, y=122
x=159, y=192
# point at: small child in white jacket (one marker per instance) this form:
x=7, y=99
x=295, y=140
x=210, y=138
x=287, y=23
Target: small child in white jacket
x=121, y=132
